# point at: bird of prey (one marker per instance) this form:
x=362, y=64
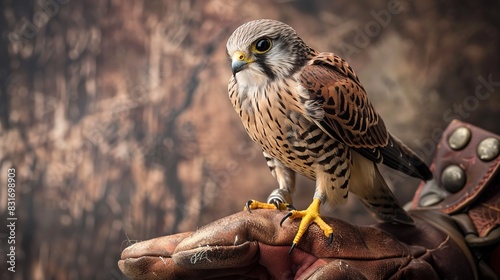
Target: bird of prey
x=310, y=114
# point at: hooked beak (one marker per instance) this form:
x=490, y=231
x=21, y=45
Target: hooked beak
x=239, y=62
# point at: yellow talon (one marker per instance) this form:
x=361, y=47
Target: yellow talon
x=309, y=216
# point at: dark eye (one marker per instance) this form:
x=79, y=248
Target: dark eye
x=263, y=45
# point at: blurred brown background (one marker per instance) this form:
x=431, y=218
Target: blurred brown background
x=116, y=117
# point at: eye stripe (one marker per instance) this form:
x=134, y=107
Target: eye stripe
x=261, y=61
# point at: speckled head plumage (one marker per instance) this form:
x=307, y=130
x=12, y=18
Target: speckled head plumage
x=266, y=49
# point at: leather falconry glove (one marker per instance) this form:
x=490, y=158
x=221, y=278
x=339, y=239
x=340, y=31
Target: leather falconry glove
x=254, y=246
x=455, y=236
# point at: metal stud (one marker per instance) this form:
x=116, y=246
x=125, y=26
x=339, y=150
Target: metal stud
x=453, y=178
x=488, y=149
x=432, y=194
x=430, y=199
x=459, y=138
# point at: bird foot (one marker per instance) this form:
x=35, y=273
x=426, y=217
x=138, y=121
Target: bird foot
x=309, y=216
x=281, y=197
x=254, y=204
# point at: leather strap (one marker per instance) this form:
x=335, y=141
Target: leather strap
x=466, y=186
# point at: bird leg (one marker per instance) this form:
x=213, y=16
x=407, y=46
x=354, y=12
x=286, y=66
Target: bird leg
x=309, y=216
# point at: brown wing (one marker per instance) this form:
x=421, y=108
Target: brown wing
x=349, y=116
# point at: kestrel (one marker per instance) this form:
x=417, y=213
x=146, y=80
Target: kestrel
x=310, y=114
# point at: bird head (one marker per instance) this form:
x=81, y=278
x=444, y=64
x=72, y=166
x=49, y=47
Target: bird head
x=263, y=50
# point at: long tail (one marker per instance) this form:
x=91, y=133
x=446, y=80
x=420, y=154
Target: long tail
x=368, y=184
x=383, y=204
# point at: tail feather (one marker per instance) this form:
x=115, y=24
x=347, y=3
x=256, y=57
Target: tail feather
x=369, y=185
x=384, y=205
x=398, y=156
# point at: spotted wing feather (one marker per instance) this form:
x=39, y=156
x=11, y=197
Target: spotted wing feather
x=350, y=118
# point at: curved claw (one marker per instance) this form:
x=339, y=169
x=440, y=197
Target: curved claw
x=291, y=248
x=330, y=238
x=276, y=202
x=280, y=198
x=247, y=205
x=286, y=217
x=280, y=204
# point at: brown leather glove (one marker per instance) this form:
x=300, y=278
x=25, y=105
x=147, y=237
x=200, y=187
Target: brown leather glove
x=254, y=246
x=456, y=213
